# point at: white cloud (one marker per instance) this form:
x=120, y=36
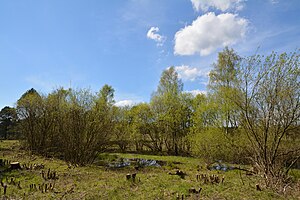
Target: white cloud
x=210, y=32
x=127, y=99
x=125, y=103
x=196, y=92
x=222, y=5
x=153, y=34
x=188, y=73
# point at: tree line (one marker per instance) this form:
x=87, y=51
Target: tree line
x=250, y=114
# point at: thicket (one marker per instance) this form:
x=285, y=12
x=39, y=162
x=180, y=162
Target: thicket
x=250, y=114
x=72, y=124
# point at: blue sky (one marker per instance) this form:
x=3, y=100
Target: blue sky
x=127, y=44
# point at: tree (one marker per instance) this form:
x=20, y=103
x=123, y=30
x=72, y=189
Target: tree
x=270, y=112
x=122, y=127
x=103, y=116
x=205, y=112
x=8, y=118
x=223, y=84
x=106, y=97
x=88, y=124
x=56, y=106
x=170, y=111
x=29, y=111
x=143, y=129
x=74, y=124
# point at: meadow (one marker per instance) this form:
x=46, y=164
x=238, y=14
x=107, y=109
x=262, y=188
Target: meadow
x=110, y=177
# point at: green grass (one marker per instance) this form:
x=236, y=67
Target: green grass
x=100, y=182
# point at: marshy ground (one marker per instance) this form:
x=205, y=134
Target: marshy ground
x=129, y=176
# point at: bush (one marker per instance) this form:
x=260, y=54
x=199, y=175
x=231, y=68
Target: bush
x=213, y=144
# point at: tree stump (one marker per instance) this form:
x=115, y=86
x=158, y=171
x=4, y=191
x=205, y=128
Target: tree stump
x=258, y=188
x=15, y=165
x=133, y=176
x=4, y=188
x=192, y=190
x=128, y=176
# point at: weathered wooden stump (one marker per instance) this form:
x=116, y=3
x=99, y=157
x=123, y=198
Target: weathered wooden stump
x=181, y=174
x=258, y=187
x=43, y=174
x=19, y=185
x=200, y=189
x=4, y=188
x=15, y=165
x=49, y=173
x=222, y=179
x=128, y=176
x=12, y=181
x=192, y=190
x=133, y=176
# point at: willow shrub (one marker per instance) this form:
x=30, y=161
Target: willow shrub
x=214, y=145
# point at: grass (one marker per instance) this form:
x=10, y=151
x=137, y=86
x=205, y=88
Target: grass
x=98, y=181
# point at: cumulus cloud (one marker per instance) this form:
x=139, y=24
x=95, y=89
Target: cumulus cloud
x=124, y=103
x=209, y=32
x=153, y=35
x=222, y=5
x=196, y=92
x=188, y=73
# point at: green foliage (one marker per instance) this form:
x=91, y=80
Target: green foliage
x=30, y=110
x=172, y=113
x=74, y=124
x=143, y=127
x=270, y=111
x=251, y=113
x=122, y=127
x=8, y=121
x=205, y=113
x=212, y=145
x=169, y=83
x=223, y=84
x=97, y=182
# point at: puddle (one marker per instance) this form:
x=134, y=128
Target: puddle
x=119, y=164
x=139, y=162
x=220, y=166
x=148, y=163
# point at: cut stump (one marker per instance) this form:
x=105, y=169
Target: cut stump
x=15, y=165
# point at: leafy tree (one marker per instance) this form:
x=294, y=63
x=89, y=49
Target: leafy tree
x=102, y=116
x=205, y=112
x=122, y=127
x=88, y=124
x=57, y=107
x=143, y=129
x=75, y=124
x=223, y=85
x=106, y=97
x=29, y=111
x=171, y=113
x=8, y=119
x=75, y=132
